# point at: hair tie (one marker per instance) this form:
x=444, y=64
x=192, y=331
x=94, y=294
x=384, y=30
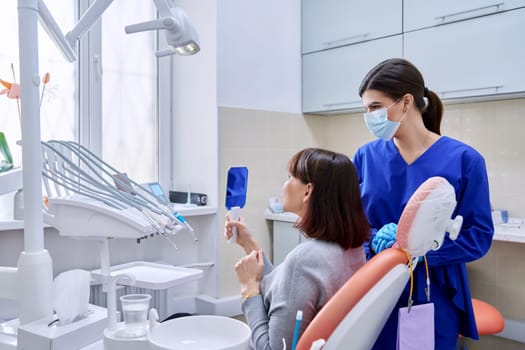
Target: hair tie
x=425, y=91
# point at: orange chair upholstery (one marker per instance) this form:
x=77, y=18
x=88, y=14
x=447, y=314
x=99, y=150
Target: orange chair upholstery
x=339, y=306
x=488, y=319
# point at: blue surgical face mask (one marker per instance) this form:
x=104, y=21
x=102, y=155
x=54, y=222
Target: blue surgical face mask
x=379, y=124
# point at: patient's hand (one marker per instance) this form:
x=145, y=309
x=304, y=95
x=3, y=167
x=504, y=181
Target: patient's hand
x=249, y=272
x=244, y=237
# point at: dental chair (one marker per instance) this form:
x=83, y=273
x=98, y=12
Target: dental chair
x=357, y=313
x=489, y=321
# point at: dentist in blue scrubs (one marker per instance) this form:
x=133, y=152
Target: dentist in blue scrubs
x=405, y=116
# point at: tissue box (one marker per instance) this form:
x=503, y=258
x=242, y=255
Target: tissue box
x=37, y=334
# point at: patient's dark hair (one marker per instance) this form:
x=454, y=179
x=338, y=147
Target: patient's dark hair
x=396, y=77
x=334, y=211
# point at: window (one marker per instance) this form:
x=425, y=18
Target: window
x=58, y=117
x=114, y=112
x=129, y=97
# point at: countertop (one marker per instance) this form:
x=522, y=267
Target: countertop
x=285, y=216
x=513, y=232
x=510, y=233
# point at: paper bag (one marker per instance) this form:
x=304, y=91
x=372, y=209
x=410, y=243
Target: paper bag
x=415, y=330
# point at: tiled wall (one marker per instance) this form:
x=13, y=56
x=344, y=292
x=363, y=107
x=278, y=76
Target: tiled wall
x=265, y=140
x=262, y=141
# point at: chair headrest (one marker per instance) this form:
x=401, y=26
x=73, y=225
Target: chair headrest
x=427, y=216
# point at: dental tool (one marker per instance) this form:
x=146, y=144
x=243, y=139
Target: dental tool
x=72, y=172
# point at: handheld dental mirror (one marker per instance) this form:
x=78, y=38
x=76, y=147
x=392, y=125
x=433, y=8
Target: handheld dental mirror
x=236, y=187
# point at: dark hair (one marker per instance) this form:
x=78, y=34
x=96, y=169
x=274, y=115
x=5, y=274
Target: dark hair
x=396, y=77
x=334, y=211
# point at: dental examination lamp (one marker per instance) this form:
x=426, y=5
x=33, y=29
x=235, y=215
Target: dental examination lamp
x=181, y=36
x=30, y=283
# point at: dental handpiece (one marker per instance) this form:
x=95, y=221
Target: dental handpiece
x=181, y=220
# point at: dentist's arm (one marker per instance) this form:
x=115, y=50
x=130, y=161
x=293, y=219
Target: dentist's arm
x=475, y=237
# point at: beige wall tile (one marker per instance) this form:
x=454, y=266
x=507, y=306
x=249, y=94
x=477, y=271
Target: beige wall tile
x=346, y=133
x=452, y=123
x=263, y=141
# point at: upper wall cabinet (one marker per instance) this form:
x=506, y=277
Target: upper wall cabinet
x=419, y=14
x=332, y=23
x=331, y=78
x=479, y=57
x=466, y=50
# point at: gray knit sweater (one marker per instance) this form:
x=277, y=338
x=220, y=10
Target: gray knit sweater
x=305, y=280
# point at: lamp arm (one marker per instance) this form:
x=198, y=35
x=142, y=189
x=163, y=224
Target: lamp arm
x=172, y=20
x=168, y=23
x=92, y=14
x=163, y=7
x=55, y=33
x=164, y=52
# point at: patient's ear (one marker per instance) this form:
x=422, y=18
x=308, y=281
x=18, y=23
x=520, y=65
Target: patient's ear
x=308, y=191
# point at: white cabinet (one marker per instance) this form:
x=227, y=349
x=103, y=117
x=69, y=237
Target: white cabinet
x=331, y=78
x=466, y=50
x=332, y=23
x=419, y=14
x=285, y=238
x=479, y=57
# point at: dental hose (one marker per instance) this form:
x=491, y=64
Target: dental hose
x=181, y=220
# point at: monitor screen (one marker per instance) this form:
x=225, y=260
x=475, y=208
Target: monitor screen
x=158, y=192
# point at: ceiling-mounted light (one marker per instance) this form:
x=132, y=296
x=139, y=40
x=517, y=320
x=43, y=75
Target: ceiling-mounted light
x=181, y=36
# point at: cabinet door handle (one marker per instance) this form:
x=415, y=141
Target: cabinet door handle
x=443, y=17
x=335, y=104
x=495, y=87
x=348, y=39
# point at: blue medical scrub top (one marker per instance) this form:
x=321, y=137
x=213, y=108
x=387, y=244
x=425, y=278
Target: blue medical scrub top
x=387, y=182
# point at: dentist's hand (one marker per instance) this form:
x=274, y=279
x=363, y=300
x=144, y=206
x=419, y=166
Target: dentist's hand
x=384, y=238
x=244, y=237
x=249, y=272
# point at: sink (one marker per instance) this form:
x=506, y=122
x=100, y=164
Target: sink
x=203, y=332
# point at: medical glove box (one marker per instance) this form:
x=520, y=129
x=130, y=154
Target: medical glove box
x=38, y=335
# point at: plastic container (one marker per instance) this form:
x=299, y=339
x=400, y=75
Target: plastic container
x=135, y=309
